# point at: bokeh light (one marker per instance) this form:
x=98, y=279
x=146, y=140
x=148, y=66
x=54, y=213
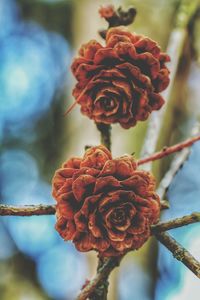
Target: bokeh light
x=9, y=17
x=33, y=72
x=30, y=74
x=16, y=178
x=20, y=186
x=62, y=271
x=132, y=276
x=7, y=248
x=34, y=65
x=57, y=262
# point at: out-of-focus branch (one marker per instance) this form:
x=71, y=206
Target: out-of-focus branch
x=176, y=164
x=175, y=223
x=27, y=210
x=179, y=252
x=169, y=150
x=175, y=48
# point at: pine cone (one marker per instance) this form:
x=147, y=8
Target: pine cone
x=121, y=82
x=105, y=204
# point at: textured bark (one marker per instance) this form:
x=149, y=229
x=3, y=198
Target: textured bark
x=27, y=210
x=179, y=252
x=101, y=276
x=39, y=210
x=175, y=223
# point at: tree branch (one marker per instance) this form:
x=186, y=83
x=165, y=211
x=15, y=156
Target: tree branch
x=101, y=291
x=27, y=210
x=175, y=223
x=39, y=210
x=179, y=252
x=175, y=166
x=105, y=131
x=169, y=150
x=102, y=274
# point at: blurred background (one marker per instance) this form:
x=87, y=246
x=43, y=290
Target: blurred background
x=38, y=39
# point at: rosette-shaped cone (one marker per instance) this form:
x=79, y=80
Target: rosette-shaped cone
x=105, y=204
x=121, y=81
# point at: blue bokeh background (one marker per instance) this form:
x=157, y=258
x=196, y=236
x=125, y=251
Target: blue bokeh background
x=34, y=66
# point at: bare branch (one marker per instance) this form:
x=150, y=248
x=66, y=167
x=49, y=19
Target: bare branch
x=169, y=150
x=179, y=252
x=176, y=164
x=175, y=223
x=101, y=275
x=27, y=210
x=39, y=210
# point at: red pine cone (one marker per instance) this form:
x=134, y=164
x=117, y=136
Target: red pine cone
x=105, y=204
x=121, y=82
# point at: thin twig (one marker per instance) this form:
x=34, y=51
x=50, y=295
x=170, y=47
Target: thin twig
x=179, y=252
x=175, y=223
x=175, y=48
x=176, y=164
x=101, y=275
x=27, y=210
x=169, y=150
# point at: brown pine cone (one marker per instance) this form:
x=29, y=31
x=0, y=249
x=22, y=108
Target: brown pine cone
x=105, y=204
x=121, y=81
